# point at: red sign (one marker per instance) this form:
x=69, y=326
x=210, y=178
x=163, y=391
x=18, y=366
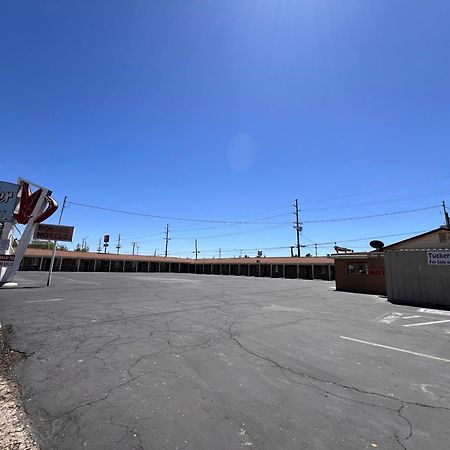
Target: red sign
x=376, y=269
x=54, y=232
x=7, y=260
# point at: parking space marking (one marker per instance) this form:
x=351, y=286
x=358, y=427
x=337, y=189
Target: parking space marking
x=411, y=317
x=425, y=323
x=434, y=311
x=396, y=349
x=42, y=301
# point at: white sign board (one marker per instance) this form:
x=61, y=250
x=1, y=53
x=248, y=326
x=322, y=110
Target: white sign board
x=8, y=200
x=438, y=258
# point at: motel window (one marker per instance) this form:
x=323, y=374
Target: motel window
x=357, y=268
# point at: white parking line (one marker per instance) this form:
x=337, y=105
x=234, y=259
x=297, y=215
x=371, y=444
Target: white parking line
x=410, y=317
x=434, y=311
x=42, y=301
x=425, y=323
x=396, y=349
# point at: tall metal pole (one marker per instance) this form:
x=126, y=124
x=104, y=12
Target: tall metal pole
x=167, y=240
x=220, y=252
x=196, y=250
x=297, y=227
x=52, y=261
x=134, y=246
x=315, y=245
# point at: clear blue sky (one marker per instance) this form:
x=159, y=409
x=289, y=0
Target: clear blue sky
x=217, y=109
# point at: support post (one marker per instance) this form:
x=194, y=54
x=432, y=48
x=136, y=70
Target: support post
x=50, y=272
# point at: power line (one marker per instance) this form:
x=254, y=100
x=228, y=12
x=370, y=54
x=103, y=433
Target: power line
x=182, y=219
x=378, y=202
x=371, y=216
x=379, y=190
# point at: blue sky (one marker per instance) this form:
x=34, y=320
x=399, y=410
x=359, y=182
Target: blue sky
x=230, y=110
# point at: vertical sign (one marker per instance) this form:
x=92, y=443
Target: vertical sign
x=8, y=199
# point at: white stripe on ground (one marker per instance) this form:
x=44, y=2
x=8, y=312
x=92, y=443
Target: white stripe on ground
x=42, y=301
x=425, y=323
x=396, y=349
x=410, y=317
x=434, y=311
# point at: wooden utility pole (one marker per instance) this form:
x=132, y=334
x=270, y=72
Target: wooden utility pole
x=196, y=250
x=297, y=227
x=118, y=246
x=167, y=240
x=447, y=219
x=134, y=246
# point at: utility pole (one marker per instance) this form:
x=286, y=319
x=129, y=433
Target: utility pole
x=220, y=252
x=99, y=249
x=134, y=246
x=447, y=219
x=137, y=249
x=167, y=240
x=196, y=250
x=297, y=227
x=52, y=261
x=315, y=245
x=118, y=246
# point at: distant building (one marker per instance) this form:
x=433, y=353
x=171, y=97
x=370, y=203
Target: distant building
x=414, y=271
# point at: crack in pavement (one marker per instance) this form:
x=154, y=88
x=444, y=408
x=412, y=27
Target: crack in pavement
x=398, y=411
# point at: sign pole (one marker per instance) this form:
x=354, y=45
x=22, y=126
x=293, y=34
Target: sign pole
x=50, y=272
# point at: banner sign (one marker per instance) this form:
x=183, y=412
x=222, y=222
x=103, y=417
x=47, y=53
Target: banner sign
x=8, y=200
x=438, y=258
x=7, y=260
x=54, y=232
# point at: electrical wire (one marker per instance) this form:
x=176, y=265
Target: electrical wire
x=446, y=177
x=183, y=219
x=340, y=219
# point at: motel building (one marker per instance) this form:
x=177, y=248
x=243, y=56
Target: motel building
x=308, y=268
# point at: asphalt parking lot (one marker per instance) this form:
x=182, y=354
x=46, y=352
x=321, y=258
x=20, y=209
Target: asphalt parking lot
x=171, y=361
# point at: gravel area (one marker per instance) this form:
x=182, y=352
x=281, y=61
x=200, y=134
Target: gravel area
x=15, y=432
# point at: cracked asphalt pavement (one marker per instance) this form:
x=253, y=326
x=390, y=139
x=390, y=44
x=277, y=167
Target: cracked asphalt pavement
x=178, y=361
